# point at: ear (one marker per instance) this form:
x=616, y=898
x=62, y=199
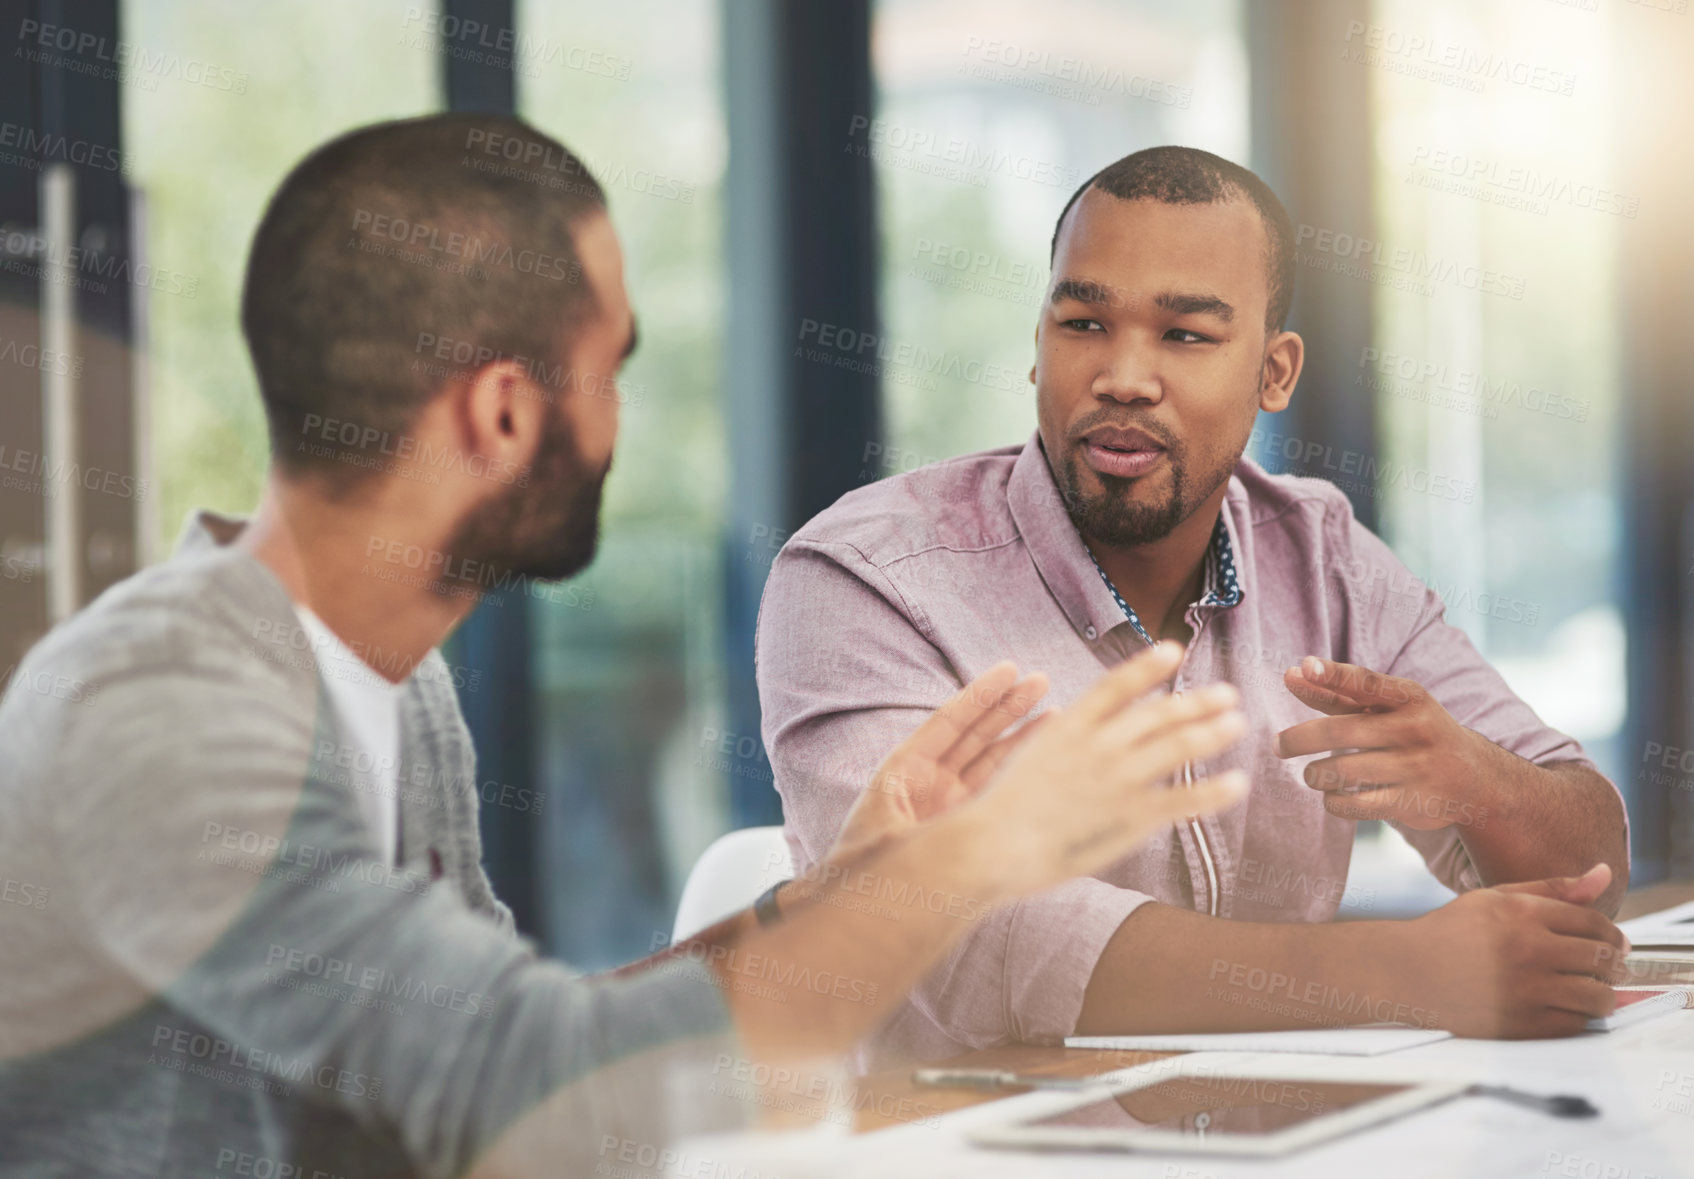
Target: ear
x=1285, y=353
x=1033, y=363
x=500, y=413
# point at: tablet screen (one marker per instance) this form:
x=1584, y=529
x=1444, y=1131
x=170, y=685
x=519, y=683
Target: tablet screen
x=1202, y=1106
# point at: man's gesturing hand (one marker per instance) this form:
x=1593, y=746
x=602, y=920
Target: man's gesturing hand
x=1396, y=753
x=947, y=760
x=1519, y=961
x=1092, y=782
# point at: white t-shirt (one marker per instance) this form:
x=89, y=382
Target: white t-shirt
x=369, y=708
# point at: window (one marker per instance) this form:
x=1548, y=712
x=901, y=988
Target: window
x=629, y=674
x=1495, y=363
x=988, y=119
x=204, y=158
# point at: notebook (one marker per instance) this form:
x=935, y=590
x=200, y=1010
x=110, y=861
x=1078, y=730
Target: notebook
x=1367, y=1040
x=1636, y=1005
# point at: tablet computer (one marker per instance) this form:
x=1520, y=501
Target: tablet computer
x=1201, y=1107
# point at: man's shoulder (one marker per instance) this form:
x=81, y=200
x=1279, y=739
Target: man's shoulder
x=1292, y=503
x=958, y=504
x=214, y=615
x=1305, y=528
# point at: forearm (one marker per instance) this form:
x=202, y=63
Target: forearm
x=852, y=942
x=1546, y=820
x=1169, y=970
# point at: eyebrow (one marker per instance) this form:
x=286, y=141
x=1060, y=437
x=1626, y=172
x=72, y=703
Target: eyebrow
x=1183, y=304
x=1098, y=294
x=1083, y=290
x=629, y=345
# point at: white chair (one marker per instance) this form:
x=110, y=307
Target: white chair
x=729, y=876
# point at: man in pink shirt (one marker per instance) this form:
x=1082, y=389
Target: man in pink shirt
x=1131, y=515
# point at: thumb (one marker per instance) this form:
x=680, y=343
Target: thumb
x=1574, y=890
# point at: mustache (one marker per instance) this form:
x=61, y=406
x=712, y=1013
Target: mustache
x=1106, y=416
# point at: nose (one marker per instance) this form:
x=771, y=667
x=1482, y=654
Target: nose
x=1128, y=376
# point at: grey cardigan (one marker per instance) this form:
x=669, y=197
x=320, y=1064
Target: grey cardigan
x=204, y=966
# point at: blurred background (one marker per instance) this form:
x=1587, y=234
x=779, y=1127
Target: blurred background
x=1491, y=200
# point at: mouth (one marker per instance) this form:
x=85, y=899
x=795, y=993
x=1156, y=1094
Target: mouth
x=1122, y=452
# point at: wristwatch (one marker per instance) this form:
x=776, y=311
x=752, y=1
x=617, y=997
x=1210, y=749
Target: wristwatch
x=765, y=908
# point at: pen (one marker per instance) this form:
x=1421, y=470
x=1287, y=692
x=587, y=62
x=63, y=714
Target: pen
x=1560, y=1106
x=989, y=1078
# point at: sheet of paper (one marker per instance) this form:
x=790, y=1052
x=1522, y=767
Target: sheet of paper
x=1369, y=1040
x=1668, y=927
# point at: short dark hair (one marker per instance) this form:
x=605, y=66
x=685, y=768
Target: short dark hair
x=1189, y=176
x=451, y=227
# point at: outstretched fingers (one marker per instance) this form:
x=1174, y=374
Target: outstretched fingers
x=1155, y=717
x=1129, y=682
x=1014, y=705
x=976, y=714
x=985, y=764
x=1162, y=753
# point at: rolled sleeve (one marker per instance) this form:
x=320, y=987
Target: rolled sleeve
x=1055, y=942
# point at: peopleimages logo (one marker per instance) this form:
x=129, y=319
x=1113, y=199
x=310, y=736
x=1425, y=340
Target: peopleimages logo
x=1354, y=469
x=1423, y=379
x=1365, y=252
x=1526, y=182
x=1380, y=46
x=1068, y=77
x=371, y=226
x=897, y=145
x=27, y=470
x=849, y=348
x=33, y=253
x=368, y=445
x=29, y=354
x=83, y=52
x=186, y=1050
x=39, y=147
x=285, y=961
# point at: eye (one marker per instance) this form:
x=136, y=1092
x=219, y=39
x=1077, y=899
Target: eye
x=1082, y=325
x=1177, y=335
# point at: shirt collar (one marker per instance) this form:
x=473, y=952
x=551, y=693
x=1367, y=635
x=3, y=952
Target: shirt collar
x=1222, y=587
x=1089, y=600
x=206, y=531
x=1223, y=583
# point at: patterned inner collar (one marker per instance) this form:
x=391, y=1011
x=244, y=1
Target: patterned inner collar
x=1223, y=587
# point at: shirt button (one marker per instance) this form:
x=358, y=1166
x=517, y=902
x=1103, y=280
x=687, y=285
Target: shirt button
x=1090, y=632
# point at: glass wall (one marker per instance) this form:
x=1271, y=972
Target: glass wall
x=1493, y=356
x=204, y=156
x=1496, y=363
x=989, y=117
x=629, y=673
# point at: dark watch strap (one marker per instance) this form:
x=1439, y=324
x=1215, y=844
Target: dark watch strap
x=765, y=908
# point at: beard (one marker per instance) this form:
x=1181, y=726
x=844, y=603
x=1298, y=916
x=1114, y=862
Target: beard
x=1115, y=515
x=547, y=530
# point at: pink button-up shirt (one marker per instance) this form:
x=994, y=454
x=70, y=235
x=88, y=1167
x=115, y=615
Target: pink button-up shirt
x=883, y=606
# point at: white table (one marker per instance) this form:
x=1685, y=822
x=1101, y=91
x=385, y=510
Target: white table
x=1645, y=1129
